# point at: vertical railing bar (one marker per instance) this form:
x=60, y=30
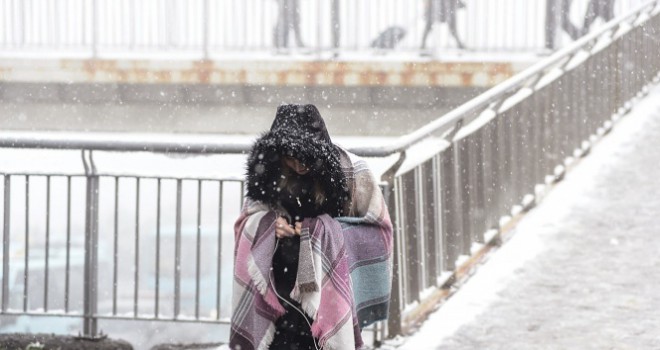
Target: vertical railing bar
x=22, y=18
x=397, y=272
x=95, y=29
x=68, y=245
x=136, y=284
x=219, y=258
x=421, y=232
x=115, y=249
x=437, y=215
x=205, y=29
x=47, y=243
x=461, y=184
x=199, y=248
x=157, y=287
x=177, y=252
x=90, y=281
x=430, y=251
x=401, y=243
x=132, y=32
x=5, y=243
x=27, y=243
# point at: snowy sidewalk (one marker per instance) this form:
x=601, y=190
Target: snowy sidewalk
x=582, y=269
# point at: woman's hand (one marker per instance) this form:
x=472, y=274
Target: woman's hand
x=283, y=229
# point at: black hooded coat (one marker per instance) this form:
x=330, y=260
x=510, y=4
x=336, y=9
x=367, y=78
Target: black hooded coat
x=298, y=131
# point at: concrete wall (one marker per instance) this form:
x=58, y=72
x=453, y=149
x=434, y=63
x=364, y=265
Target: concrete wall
x=357, y=98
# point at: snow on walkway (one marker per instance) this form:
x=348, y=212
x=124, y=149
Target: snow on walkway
x=581, y=269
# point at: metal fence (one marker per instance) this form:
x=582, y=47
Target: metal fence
x=208, y=28
x=153, y=236
x=505, y=142
x=100, y=246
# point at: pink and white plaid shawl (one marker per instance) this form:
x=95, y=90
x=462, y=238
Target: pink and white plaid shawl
x=335, y=257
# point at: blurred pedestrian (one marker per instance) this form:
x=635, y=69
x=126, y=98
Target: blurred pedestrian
x=313, y=213
x=564, y=14
x=603, y=9
x=442, y=11
x=288, y=19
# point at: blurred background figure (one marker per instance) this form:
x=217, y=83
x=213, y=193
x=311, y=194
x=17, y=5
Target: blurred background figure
x=561, y=13
x=442, y=11
x=288, y=19
x=388, y=38
x=597, y=8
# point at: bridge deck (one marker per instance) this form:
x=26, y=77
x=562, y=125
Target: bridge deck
x=581, y=269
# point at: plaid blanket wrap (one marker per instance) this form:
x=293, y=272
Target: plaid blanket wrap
x=344, y=275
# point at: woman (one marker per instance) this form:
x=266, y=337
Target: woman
x=442, y=11
x=313, y=221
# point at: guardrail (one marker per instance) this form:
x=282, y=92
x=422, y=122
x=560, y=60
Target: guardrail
x=207, y=28
x=490, y=154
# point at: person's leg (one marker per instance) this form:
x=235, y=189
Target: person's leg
x=566, y=23
x=295, y=17
x=608, y=10
x=427, y=31
x=550, y=26
x=590, y=16
x=280, y=31
x=429, y=18
x=451, y=22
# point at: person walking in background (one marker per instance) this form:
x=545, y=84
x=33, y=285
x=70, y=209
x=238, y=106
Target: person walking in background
x=313, y=215
x=442, y=11
x=564, y=14
x=597, y=8
x=288, y=19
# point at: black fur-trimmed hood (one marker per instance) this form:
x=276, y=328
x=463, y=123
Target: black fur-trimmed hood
x=300, y=132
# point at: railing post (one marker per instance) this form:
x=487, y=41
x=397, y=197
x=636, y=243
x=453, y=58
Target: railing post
x=95, y=29
x=90, y=279
x=205, y=29
x=394, y=314
x=550, y=24
x=394, y=319
x=5, y=245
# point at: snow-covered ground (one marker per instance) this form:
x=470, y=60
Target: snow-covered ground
x=580, y=269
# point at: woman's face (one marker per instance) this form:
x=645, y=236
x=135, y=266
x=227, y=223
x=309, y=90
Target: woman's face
x=295, y=165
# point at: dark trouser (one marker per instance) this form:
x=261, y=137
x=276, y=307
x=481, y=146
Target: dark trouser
x=444, y=12
x=597, y=8
x=552, y=13
x=288, y=20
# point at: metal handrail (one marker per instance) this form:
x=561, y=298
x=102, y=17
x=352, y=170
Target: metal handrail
x=178, y=144
x=121, y=143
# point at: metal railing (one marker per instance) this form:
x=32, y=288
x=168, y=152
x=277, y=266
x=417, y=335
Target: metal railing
x=207, y=28
x=490, y=154
x=120, y=246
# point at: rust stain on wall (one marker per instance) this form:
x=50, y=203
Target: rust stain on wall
x=202, y=70
x=338, y=73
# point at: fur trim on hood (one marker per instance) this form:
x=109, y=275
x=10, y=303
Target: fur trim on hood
x=298, y=131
